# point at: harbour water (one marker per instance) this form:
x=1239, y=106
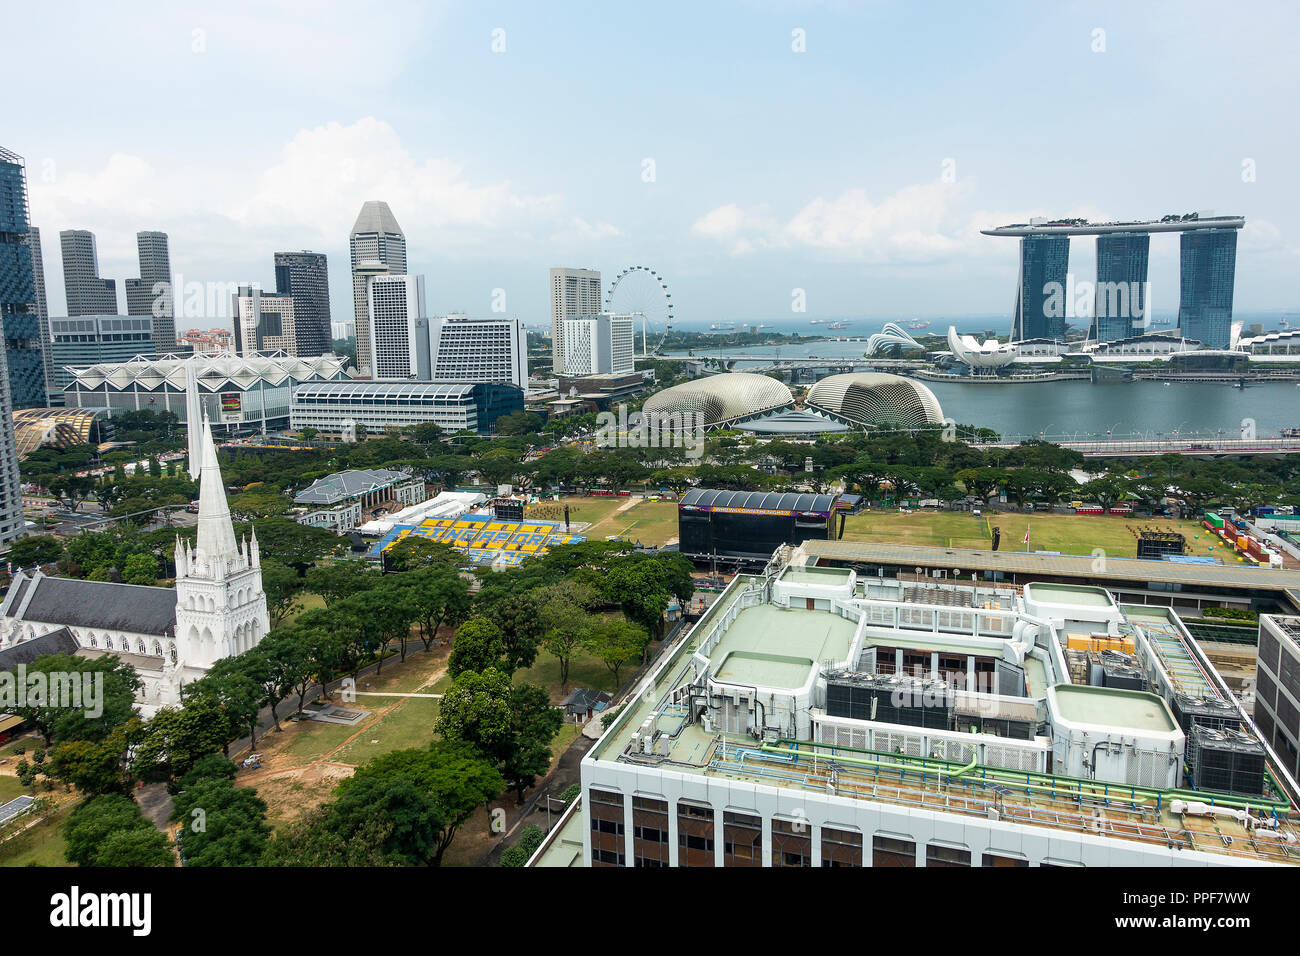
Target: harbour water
x=1080, y=409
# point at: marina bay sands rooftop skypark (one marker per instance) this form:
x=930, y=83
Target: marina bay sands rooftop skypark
x=1081, y=227
x=1207, y=273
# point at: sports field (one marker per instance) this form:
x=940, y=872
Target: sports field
x=636, y=519
x=1069, y=534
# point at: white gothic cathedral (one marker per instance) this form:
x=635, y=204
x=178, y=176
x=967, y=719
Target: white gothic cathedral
x=171, y=637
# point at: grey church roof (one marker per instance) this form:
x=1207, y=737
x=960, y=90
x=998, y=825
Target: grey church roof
x=94, y=604
x=55, y=642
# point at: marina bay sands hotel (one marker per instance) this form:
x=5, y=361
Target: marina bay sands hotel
x=1208, y=268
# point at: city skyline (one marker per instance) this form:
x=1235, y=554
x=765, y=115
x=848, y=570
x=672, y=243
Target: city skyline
x=761, y=191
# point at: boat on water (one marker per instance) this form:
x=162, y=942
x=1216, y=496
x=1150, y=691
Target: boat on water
x=919, y=324
x=837, y=326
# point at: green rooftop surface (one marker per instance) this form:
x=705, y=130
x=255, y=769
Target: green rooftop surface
x=1113, y=707
x=770, y=638
x=764, y=670
x=1079, y=595
x=798, y=574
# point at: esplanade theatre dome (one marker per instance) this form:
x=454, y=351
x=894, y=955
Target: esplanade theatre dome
x=721, y=398
x=874, y=398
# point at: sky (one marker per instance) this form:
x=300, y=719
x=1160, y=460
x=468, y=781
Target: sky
x=761, y=156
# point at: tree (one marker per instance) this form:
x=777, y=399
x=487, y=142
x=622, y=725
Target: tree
x=279, y=663
x=534, y=724
x=378, y=616
x=453, y=774
x=140, y=569
x=514, y=725
x=233, y=690
x=565, y=626
x=35, y=550
x=518, y=617
x=414, y=552
x=110, y=830
x=319, y=838
x=479, y=645
x=282, y=586
x=223, y=825
x=177, y=739
x=616, y=641
x=63, y=711
x=441, y=597
x=337, y=580
x=96, y=766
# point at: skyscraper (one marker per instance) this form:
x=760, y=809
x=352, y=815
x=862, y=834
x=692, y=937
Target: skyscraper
x=573, y=292
x=601, y=344
x=462, y=349
x=87, y=293
x=17, y=311
x=263, y=322
x=1043, y=260
x=398, y=330
x=1209, y=264
x=24, y=351
x=1119, y=306
x=378, y=248
x=151, y=294
x=43, y=317
x=304, y=276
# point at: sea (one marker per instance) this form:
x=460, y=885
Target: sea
x=1069, y=410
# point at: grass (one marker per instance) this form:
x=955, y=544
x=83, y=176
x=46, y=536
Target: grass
x=42, y=845
x=650, y=522
x=409, y=724
x=1069, y=534
x=10, y=788
x=585, y=670
x=594, y=509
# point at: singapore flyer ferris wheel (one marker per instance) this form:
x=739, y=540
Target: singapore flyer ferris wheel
x=643, y=292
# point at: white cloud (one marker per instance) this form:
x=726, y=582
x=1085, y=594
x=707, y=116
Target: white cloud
x=326, y=173
x=917, y=222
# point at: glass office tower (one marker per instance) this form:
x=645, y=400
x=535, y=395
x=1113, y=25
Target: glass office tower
x=1209, y=264
x=1044, y=261
x=1120, y=296
x=22, y=333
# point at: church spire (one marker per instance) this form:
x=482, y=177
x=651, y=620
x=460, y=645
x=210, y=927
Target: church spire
x=216, y=538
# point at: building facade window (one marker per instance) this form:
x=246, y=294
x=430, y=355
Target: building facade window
x=791, y=843
x=649, y=832
x=607, y=828
x=694, y=834
x=742, y=839
x=841, y=847
x=891, y=851
x=936, y=854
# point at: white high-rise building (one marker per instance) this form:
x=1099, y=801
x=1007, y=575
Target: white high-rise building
x=602, y=344
x=378, y=248
x=573, y=292
x=397, y=333
x=263, y=322
x=462, y=349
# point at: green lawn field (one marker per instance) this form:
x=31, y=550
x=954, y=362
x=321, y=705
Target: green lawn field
x=1069, y=534
x=650, y=522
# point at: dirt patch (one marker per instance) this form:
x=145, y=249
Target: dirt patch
x=299, y=767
